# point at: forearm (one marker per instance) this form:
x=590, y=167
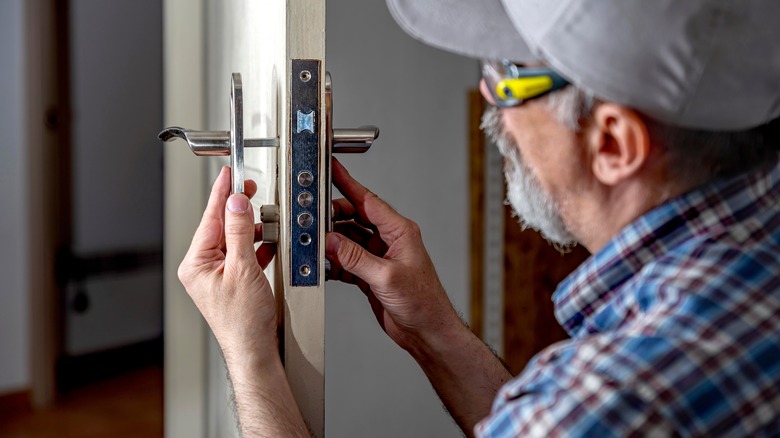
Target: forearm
x=464, y=372
x=265, y=405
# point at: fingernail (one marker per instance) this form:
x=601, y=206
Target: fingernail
x=238, y=203
x=332, y=244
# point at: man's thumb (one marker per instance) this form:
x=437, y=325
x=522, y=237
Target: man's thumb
x=239, y=228
x=352, y=257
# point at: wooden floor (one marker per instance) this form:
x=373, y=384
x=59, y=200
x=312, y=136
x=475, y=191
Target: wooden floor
x=130, y=405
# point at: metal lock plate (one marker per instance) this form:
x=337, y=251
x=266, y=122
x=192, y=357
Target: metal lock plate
x=305, y=149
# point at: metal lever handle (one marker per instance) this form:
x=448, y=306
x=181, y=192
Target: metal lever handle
x=211, y=143
x=202, y=143
x=354, y=141
x=220, y=142
x=341, y=141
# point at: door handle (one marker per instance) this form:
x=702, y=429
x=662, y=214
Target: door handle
x=231, y=143
x=350, y=140
x=341, y=141
x=354, y=141
x=210, y=143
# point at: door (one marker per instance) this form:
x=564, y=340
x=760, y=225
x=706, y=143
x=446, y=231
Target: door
x=278, y=47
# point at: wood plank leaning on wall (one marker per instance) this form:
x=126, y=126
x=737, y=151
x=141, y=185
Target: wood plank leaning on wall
x=476, y=208
x=532, y=270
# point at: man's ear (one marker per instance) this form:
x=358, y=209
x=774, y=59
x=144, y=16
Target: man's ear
x=619, y=143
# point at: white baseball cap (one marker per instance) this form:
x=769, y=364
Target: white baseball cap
x=704, y=64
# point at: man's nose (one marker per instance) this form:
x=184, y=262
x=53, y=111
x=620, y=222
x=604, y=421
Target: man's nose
x=483, y=88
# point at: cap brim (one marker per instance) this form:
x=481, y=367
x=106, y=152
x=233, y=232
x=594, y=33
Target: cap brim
x=478, y=29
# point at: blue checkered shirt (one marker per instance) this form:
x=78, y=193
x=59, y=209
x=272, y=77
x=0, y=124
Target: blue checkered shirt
x=675, y=327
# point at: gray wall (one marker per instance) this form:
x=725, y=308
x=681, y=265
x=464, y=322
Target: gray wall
x=116, y=80
x=417, y=96
x=14, y=360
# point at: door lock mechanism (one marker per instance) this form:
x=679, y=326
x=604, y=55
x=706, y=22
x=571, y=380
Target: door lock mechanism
x=304, y=152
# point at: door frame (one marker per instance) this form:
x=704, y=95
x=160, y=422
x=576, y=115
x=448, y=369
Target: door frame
x=47, y=130
x=185, y=332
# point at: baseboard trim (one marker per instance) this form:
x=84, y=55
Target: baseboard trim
x=15, y=403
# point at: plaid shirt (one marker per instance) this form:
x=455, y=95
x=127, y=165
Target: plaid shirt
x=675, y=327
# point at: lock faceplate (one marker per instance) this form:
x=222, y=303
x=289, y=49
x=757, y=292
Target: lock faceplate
x=305, y=119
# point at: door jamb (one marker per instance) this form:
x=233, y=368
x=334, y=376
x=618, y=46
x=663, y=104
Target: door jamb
x=47, y=114
x=184, y=94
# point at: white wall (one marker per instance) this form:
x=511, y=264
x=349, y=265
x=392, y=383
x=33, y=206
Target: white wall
x=14, y=360
x=417, y=96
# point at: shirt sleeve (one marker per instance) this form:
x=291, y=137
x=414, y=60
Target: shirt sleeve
x=556, y=396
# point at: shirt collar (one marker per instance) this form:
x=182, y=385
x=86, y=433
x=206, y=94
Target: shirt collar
x=716, y=205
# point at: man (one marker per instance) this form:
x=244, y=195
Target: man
x=645, y=131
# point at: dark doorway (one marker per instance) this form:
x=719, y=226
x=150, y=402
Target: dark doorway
x=109, y=258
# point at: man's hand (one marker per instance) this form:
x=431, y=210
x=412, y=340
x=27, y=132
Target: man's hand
x=223, y=274
x=384, y=255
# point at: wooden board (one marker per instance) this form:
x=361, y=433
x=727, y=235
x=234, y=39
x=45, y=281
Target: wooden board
x=532, y=270
x=477, y=208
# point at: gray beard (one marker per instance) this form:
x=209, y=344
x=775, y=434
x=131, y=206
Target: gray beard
x=533, y=207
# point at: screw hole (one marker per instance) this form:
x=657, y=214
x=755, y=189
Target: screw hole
x=305, y=270
x=305, y=239
x=305, y=75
